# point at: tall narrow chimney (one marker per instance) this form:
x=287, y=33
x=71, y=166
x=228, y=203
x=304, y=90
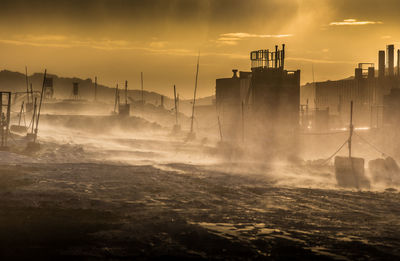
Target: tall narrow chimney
x=390, y=54
x=381, y=68
x=398, y=63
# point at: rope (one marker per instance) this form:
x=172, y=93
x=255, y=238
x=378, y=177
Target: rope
x=322, y=133
x=372, y=146
x=336, y=152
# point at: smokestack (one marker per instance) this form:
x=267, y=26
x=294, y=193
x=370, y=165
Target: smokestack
x=283, y=56
x=381, y=67
x=398, y=63
x=371, y=72
x=390, y=54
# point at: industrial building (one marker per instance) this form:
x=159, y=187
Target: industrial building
x=325, y=105
x=261, y=106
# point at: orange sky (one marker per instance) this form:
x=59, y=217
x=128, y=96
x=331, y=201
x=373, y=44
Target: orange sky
x=117, y=39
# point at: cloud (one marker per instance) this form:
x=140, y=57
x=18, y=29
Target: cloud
x=234, y=38
x=354, y=22
x=154, y=47
x=310, y=60
x=61, y=41
x=247, y=35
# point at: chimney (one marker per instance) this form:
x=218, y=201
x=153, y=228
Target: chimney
x=358, y=73
x=390, y=59
x=398, y=63
x=381, y=67
x=371, y=72
x=234, y=73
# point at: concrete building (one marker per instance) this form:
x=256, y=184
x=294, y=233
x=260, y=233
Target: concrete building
x=261, y=106
x=230, y=97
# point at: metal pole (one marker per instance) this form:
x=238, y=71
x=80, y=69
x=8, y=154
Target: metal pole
x=195, y=90
x=141, y=83
x=20, y=113
x=27, y=82
x=351, y=127
x=8, y=116
x=116, y=99
x=40, y=107
x=95, y=88
x=126, y=92
x=242, y=122
x=220, y=130
x=176, y=107
x=34, y=114
x=32, y=93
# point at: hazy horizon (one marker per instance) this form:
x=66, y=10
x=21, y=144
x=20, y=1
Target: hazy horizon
x=116, y=40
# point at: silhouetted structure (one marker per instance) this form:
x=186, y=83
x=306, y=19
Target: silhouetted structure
x=262, y=105
x=366, y=90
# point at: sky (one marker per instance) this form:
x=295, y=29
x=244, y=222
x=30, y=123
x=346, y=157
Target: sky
x=115, y=40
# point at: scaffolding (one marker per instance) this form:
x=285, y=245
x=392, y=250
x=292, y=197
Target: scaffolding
x=268, y=59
